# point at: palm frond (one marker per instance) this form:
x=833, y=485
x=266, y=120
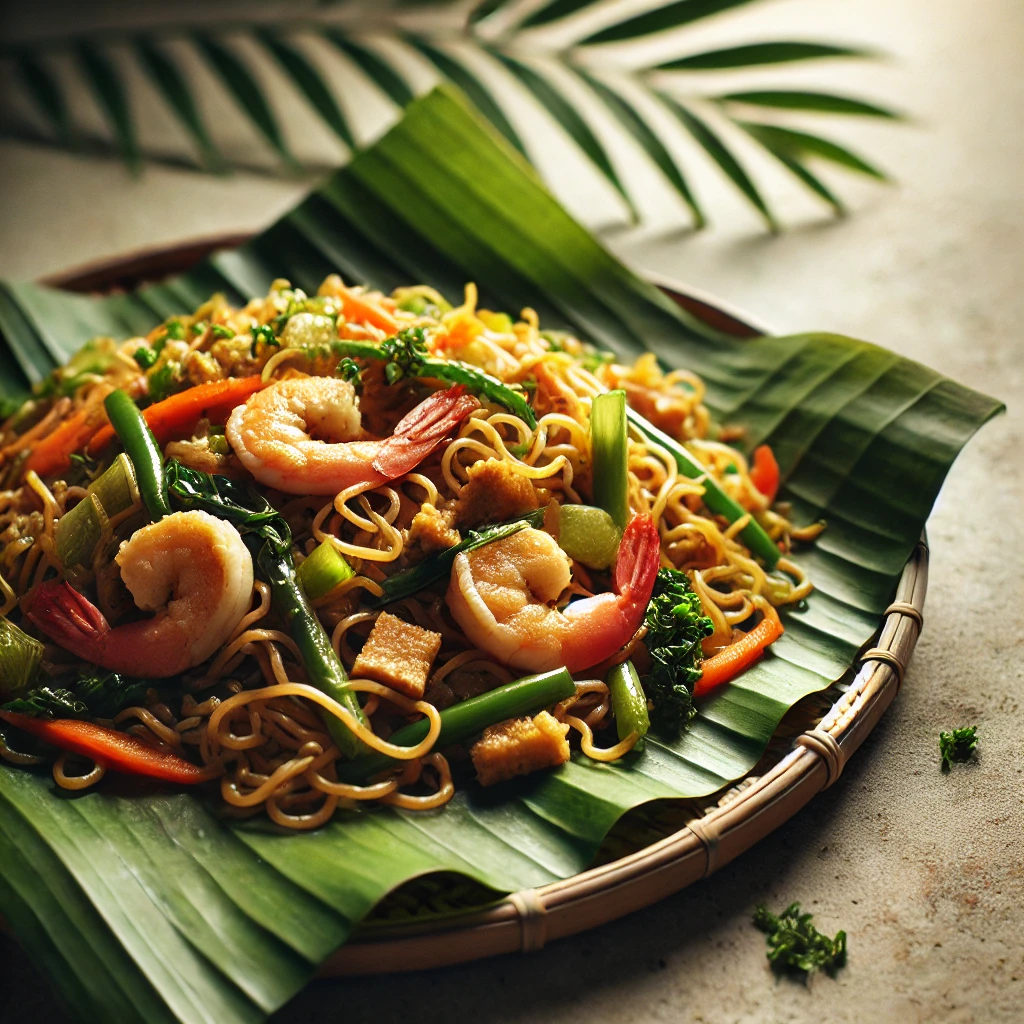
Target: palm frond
x=265, y=71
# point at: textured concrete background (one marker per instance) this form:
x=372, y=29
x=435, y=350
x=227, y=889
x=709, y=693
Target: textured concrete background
x=924, y=871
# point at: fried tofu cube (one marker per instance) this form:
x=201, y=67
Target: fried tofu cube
x=432, y=530
x=493, y=493
x=518, y=747
x=398, y=654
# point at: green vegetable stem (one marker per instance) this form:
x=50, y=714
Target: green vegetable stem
x=406, y=356
x=525, y=696
x=609, y=443
x=795, y=945
x=753, y=534
x=140, y=446
x=253, y=516
x=20, y=657
x=628, y=701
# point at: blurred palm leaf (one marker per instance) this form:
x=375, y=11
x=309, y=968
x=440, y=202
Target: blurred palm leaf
x=512, y=61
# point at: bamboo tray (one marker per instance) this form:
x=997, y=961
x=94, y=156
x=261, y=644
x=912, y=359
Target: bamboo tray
x=720, y=829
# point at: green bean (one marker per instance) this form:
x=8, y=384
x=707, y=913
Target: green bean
x=628, y=701
x=140, y=446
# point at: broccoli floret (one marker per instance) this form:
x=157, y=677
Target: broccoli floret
x=676, y=625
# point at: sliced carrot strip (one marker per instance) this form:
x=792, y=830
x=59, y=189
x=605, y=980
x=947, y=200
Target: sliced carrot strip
x=176, y=416
x=738, y=657
x=52, y=454
x=113, y=750
x=357, y=308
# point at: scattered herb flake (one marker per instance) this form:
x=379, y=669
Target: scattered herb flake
x=176, y=330
x=796, y=946
x=957, y=746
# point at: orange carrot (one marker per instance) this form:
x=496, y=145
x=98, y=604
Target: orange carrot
x=52, y=454
x=738, y=657
x=177, y=415
x=113, y=750
x=764, y=473
x=356, y=307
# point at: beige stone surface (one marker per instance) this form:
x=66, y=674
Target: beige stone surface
x=924, y=871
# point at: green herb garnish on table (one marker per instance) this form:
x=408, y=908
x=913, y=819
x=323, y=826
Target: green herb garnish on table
x=957, y=746
x=796, y=946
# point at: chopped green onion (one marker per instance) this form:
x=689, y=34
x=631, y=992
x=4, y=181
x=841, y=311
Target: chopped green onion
x=324, y=568
x=439, y=565
x=20, y=657
x=175, y=330
x=220, y=331
x=589, y=535
x=462, y=721
x=753, y=534
x=163, y=380
x=199, y=327
x=218, y=444
x=628, y=701
x=609, y=444
x=145, y=356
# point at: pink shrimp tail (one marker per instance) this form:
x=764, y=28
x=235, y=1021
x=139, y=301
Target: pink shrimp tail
x=70, y=619
x=422, y=430
x=638, y=561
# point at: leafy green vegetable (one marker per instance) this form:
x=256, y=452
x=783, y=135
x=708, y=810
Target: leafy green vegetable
x=957, y=746
x=439, y=565
x=676, y=625
x=20, y=656
x=93, y=695
x=253, y=516
x=795, y=945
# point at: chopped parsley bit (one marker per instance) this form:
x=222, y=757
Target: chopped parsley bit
x=348, y=369
x=796, y=946
x=957, y=746
x=264, y=333
x=220, y=331
x=175, y=330
x=145, y=357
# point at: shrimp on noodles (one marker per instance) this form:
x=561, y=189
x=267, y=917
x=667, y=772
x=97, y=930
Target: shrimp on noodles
x=503, y=595
x=191, y=568
x=303, y=436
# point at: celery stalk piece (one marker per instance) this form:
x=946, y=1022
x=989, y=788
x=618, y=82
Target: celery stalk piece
x=20, y=656
x=324, y=568
x=589, y=535
x=78, y=532
x=609, y=447
x=116, y=487
x=629, y=702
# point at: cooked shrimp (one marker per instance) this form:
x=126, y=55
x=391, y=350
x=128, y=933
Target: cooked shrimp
x=303, y=436
x=503, y=597
x=191, y=568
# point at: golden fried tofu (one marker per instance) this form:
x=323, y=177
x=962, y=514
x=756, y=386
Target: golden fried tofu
x=494, y=493
x=432, y=530
x=398, y=654
x=518, y=747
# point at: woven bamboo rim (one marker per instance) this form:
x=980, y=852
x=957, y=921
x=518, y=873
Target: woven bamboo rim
x=748, y=811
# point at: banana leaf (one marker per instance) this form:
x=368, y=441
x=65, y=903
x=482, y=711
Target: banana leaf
x=144, y=905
